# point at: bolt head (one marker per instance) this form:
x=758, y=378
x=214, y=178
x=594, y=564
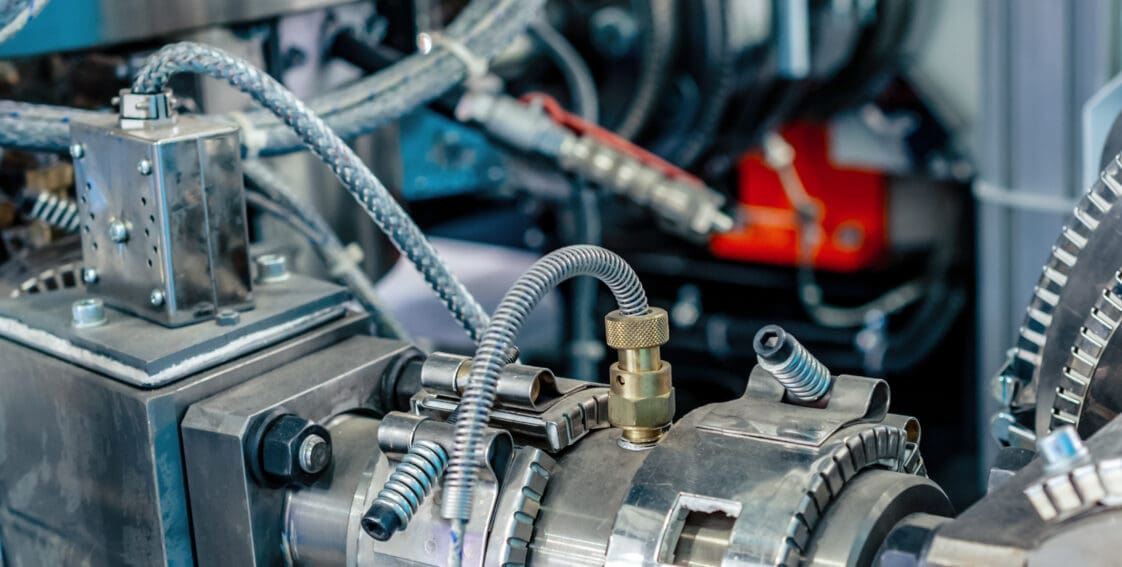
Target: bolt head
x=90, y=276
x=271, y=268
x=315, y=454
x=77, y=151
x=118, y=231
x=156, y=298
x=288, y=446
x=87, y=313
x=1004, y=389
x=227, y=318
x=144, y=167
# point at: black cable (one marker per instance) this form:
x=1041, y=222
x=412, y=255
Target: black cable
x=658, y=25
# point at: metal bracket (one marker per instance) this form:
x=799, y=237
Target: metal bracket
x=763, y=413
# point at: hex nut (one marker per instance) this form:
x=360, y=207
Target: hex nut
x=641, y=399
x=281, y=447
x=637, y=331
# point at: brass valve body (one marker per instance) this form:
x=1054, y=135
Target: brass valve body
x=641, y=399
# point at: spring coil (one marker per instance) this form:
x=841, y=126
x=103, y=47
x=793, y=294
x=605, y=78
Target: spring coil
x=59, y=212
x=523, y=296
x=405, y=490
x=803, y=375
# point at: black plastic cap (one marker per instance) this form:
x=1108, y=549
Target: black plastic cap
x=773, y=344
x=380, y=522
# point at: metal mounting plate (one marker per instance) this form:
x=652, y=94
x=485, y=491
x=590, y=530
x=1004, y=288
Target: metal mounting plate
x=146, y=354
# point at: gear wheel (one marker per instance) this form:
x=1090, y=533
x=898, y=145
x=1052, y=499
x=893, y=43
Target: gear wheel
x=1083, y=263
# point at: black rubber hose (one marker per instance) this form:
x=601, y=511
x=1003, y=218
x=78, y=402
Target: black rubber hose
x=658, y=22
x=718, y=83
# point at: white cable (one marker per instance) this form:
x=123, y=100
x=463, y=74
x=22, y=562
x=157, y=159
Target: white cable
x=17, y=23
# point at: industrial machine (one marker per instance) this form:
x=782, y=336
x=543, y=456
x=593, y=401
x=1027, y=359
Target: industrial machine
x=206, y=358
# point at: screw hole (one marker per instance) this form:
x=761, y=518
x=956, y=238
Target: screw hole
x=152, y=219
x=144, y=201
x=94, y=244
x=619, y=380
x=149, y=262
x=147, y=233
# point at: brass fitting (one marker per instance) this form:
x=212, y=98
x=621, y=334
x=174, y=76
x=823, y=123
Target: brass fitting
x=641, y=398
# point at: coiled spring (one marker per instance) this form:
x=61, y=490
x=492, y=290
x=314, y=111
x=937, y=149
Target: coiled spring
x=408, y=485
x=56, y=211
x=804, y=376
x=523, y=296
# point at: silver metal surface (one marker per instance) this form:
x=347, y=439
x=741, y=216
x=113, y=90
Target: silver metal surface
x=762, y=413
x=520, y=386
x=579, y=507
x=235, y=520
x=1025, y=515
x=142, y=353
x=100, y=480
x=855, y=524
x=186, y=220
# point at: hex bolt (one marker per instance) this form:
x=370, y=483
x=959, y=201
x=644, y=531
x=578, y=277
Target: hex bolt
x=315, y=454
x=271, y=268
x=294, y=450
x=90, y=276
x=144, y=167
x=1062, y=450
x=156, y=298
x=86, y=313
x=77, y=151
x=804, y=377
x=227, y=318
x=118, y=231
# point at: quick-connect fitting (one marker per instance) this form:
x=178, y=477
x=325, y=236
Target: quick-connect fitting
x=641, y=398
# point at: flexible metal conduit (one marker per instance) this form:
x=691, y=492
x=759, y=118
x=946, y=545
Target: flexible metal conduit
x=323, y=142
x=479, y=397
x=484, y=28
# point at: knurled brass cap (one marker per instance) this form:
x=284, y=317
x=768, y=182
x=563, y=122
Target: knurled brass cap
x=641, y=331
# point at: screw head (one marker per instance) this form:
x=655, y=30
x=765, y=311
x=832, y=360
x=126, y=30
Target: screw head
x=118, y=231
x=144, y=167
x=86, y=313
x=77, y=151
x=227, y=318
x=90, y=276
x=1004, y=389
x=156, y=298
x=271, y=268
x=315, y=454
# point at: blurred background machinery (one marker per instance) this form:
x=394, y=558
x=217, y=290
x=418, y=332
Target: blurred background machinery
x=241, y=366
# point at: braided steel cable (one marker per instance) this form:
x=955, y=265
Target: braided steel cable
x=479, y=397
x=326, y=243
x=324, y=143
x=484, y=27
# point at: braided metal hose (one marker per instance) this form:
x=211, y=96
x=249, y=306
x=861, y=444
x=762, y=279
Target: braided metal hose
x=17, y=14
x=484, y=27
x=323, y=142
x=523, y=296
x=405, y=490
x=327, y=244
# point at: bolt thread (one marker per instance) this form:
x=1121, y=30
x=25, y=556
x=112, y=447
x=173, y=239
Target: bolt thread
x=405, y=490
x=804, y=376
